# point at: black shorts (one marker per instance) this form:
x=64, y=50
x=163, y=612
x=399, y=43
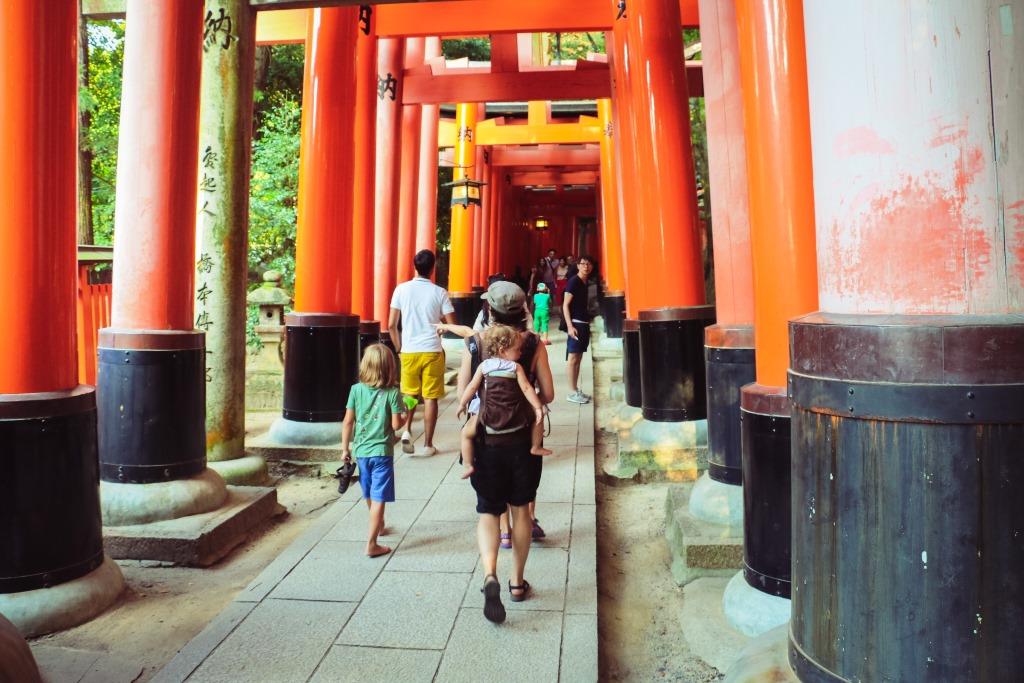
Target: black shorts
x=582, y=343
x=503, y=476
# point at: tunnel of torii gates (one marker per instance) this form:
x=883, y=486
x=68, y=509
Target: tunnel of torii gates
x=861, y=371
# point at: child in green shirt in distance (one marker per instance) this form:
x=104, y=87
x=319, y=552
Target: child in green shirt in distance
x=542, y=311
x=373, y=413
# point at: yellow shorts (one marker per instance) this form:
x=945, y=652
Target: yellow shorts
x=423, y=374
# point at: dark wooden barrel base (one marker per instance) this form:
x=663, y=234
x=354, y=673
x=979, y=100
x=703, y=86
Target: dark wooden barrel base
x=50, y=519
x=385, y=339
x=151, y=391
x=672, y=379
x=613, y=309
x=908, y=516
x=369, y=334
x=320, y=366
x=631, y=362
x=467, y=307
x=729, y=364
x=765, y=438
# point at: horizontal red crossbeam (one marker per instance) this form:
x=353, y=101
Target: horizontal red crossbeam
x=481, y=17
x=554, y=156
x=553, y=178
x=518, y=86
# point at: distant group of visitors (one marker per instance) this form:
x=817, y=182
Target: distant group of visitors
x=504, y=385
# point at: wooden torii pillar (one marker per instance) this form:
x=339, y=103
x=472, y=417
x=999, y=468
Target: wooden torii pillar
x=614, y=305
x=729, y=344
x=53, y=572
x=773, y=70
x=322, y=352
x=907, y=386
x=460, y=262
x=409, y=155
x=390, y=61
x=364, y=155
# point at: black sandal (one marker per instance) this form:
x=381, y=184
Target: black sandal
x=494, y=611
x=525, y=587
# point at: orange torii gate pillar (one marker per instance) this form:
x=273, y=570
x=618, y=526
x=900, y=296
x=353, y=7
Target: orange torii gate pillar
x=907, y=388
x=663, y=253
x=465, y=300
x=322, y=353
x=364, y=157
x=387, y=176
x=613, y=302
x=53, y=572
x=728, y=345
x=772, y=70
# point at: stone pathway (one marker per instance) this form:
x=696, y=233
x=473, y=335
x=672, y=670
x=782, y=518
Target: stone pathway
x=323, y=611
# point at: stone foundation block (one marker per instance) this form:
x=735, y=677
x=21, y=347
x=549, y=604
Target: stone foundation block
x=664, y=451
x=699, y=548
x=196, y=540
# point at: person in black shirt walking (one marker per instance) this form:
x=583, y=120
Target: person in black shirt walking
x=576, y=313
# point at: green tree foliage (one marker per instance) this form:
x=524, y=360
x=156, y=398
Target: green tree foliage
x=102, y=100
x=476, y=49
x=563, y=46
x=275, y=163
x=273, y=192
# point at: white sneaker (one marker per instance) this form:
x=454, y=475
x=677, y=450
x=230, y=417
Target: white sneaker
x=407, y=442
x=426, y=451
x=577, y=397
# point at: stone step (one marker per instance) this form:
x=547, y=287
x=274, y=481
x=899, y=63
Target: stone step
x=699, y=548
x=196, y=540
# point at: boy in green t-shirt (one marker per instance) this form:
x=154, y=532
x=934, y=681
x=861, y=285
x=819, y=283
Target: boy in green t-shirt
x=374, y=411
x=542, y=311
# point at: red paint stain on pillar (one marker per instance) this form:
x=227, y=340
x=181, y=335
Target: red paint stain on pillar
x=1015, y=226
x=925, y=248
x=860, y=140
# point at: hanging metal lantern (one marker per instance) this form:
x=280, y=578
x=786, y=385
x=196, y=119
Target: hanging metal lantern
x=466, y=192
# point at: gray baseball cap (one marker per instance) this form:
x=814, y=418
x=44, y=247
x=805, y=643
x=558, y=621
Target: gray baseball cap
x=505, y=298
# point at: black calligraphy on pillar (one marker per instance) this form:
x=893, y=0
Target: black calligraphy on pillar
x=209, y=370
x=208, y=183
x=205, y=264
x=466, y=134
x=608, y=129
x=387, y=86
x=365, y=12
x=209, y=157
x=622, y=10
x=217, y=30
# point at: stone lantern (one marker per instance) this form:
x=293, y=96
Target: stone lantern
x=264, y=372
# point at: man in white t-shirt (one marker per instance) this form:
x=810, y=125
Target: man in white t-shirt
x=420, y=304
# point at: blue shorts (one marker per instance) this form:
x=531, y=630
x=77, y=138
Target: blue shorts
x=377, y=478
x=581, y=344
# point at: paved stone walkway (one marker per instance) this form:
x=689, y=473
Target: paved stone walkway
x=323, y=611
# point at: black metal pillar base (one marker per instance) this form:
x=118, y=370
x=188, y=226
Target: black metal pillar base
x=613, y=310
x=672, y=363
x=729, y=364
x=321, y=364
x=467, y=307
x=765, y=420
x=908, y=526
x=369, y=334
x=151, y=389
x=385, y=339
x=631, y=362
x=50, y=518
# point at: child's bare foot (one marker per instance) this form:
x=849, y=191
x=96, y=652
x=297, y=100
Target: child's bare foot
x=540, y=450
x=467, y=471
x=376, y=550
